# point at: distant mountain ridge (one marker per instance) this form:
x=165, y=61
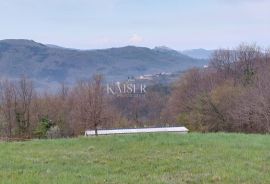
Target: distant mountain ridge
x=51, y=64
x=198, y=53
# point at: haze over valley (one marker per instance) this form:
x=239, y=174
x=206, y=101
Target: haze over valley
x=50, y=64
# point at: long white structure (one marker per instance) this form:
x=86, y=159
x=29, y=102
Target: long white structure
x=137, y=130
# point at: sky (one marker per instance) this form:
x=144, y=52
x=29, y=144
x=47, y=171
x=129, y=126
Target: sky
x=179, y=24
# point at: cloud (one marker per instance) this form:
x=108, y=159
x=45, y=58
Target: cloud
x=135, y=39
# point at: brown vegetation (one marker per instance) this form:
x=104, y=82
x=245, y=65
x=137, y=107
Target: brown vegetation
x=232, y=94
x=24, y=113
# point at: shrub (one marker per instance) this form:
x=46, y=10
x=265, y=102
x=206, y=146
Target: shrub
x=43, y=126
x=53, y=133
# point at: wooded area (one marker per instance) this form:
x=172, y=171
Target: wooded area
x=26, y=113
x=231, y=95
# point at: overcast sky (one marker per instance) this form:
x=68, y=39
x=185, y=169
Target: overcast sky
x=179, y=24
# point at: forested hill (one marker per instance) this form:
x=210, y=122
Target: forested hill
x=49, y=63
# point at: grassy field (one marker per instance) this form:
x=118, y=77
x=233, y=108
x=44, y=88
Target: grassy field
x=142, y=158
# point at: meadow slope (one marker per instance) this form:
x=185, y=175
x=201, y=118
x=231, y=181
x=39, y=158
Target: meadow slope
x=141, y=158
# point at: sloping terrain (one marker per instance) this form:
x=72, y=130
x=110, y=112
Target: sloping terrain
x=48, y=64
x=140, y=158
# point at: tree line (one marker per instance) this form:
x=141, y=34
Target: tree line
x=26, y=113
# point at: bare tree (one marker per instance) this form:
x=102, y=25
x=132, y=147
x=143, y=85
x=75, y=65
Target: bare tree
x=247, y=58
x=7, y=100
x=223, y=61
x=89, y=102
x=97, y=102
x=23, y=100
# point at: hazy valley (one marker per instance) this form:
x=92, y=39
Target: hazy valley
x=49, y=64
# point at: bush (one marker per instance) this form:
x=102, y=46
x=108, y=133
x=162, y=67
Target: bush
x=53, y=133
x=44, y=125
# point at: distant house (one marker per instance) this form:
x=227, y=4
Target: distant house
x=146, y=77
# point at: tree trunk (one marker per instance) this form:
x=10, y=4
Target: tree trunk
x=96, y=133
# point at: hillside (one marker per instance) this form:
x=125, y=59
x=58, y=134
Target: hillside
x=50, y=63
x=198, y=53
x=141, y=158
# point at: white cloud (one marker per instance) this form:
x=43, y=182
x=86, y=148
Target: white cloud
x=135, y=39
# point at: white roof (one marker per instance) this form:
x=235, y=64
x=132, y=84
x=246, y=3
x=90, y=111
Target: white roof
x=137, y=130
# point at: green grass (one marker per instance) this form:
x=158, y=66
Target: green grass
x=141, y=158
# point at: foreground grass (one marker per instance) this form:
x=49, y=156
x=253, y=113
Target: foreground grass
x=141, y=158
